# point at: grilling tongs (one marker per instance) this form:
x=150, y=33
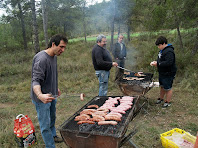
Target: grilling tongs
x=125, y=69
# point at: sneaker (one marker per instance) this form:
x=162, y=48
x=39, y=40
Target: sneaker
x=166, y=104
x=159, y=101
x=57, y=139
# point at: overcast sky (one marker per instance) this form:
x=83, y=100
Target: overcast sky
x=92, y=2
x=1, y=12
x=89, y=2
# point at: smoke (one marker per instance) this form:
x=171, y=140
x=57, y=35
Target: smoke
x=130, y=62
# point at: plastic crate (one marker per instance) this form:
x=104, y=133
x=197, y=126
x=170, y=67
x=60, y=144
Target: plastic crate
x=166, y=143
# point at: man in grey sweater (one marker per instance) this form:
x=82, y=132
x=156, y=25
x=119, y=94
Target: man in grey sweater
x=44, y=88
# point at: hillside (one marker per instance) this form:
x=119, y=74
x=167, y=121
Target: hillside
x=76, y=75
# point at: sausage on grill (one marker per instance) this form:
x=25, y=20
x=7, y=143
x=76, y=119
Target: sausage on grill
x=82, y=117
x=97, y=118
x=91, y=106
x=88, y=111
x=81, y=96
x=100, y=113
x=103, y=109
x=112, y=117
x=107, y=122
x=115, y=113
x=89, y=122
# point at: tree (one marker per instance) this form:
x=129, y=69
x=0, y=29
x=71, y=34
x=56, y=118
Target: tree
x=64, y=16
x=35, y=28
x=191, y=20
x=19, y=13
x=22, y=23
x=195, y=49
x=176, y=13
x=45, y=20
x=162, y=14
x=112, y=23
x=21, y=17
x=99, y=17
x=83, y=19
x=123, y=14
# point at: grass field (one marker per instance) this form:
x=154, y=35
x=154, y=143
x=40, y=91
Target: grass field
x=76, y=75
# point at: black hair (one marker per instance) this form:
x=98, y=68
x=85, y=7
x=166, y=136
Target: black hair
x=161, y=40
x=56, y=40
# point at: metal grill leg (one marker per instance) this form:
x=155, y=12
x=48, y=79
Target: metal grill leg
x=127, y=138
x=145, y=105
x=132, y=144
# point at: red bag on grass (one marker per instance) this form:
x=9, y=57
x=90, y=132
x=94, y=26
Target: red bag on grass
x=24, y=131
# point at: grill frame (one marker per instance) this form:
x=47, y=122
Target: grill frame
x=135, y=87
x=80, y=139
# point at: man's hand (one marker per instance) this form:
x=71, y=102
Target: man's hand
x=154, y=63
x=59, y=92
x=46, y=98
x=114, y=64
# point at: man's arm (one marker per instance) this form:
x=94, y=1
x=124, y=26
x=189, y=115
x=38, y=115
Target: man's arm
x=45, y=98
x=37, y=90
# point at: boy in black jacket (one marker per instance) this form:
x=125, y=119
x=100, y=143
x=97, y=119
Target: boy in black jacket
x=167, y=70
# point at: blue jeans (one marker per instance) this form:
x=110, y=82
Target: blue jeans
x=103, y=77
x=46, y=116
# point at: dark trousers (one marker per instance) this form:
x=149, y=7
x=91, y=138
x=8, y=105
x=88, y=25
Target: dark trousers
x=119, y=72
x=121, y=63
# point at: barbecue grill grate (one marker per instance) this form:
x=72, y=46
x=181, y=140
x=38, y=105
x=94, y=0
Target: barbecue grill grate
x=135, y=87
x=95, y=129
x=147, y=78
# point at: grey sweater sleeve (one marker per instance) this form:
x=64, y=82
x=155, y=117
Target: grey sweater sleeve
x=38, y=72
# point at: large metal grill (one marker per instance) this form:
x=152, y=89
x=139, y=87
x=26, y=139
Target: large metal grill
x=94, y=135
x=138, y=85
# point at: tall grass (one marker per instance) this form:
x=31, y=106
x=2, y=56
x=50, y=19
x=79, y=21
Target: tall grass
x=77, y=75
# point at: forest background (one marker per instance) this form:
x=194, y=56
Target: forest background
x=26, y=27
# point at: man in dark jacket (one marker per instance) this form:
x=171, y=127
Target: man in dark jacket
x=167, y=70
x=119, y=53
x=102, y=63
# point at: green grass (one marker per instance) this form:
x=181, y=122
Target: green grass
x=76, y=75
x=135, y=34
